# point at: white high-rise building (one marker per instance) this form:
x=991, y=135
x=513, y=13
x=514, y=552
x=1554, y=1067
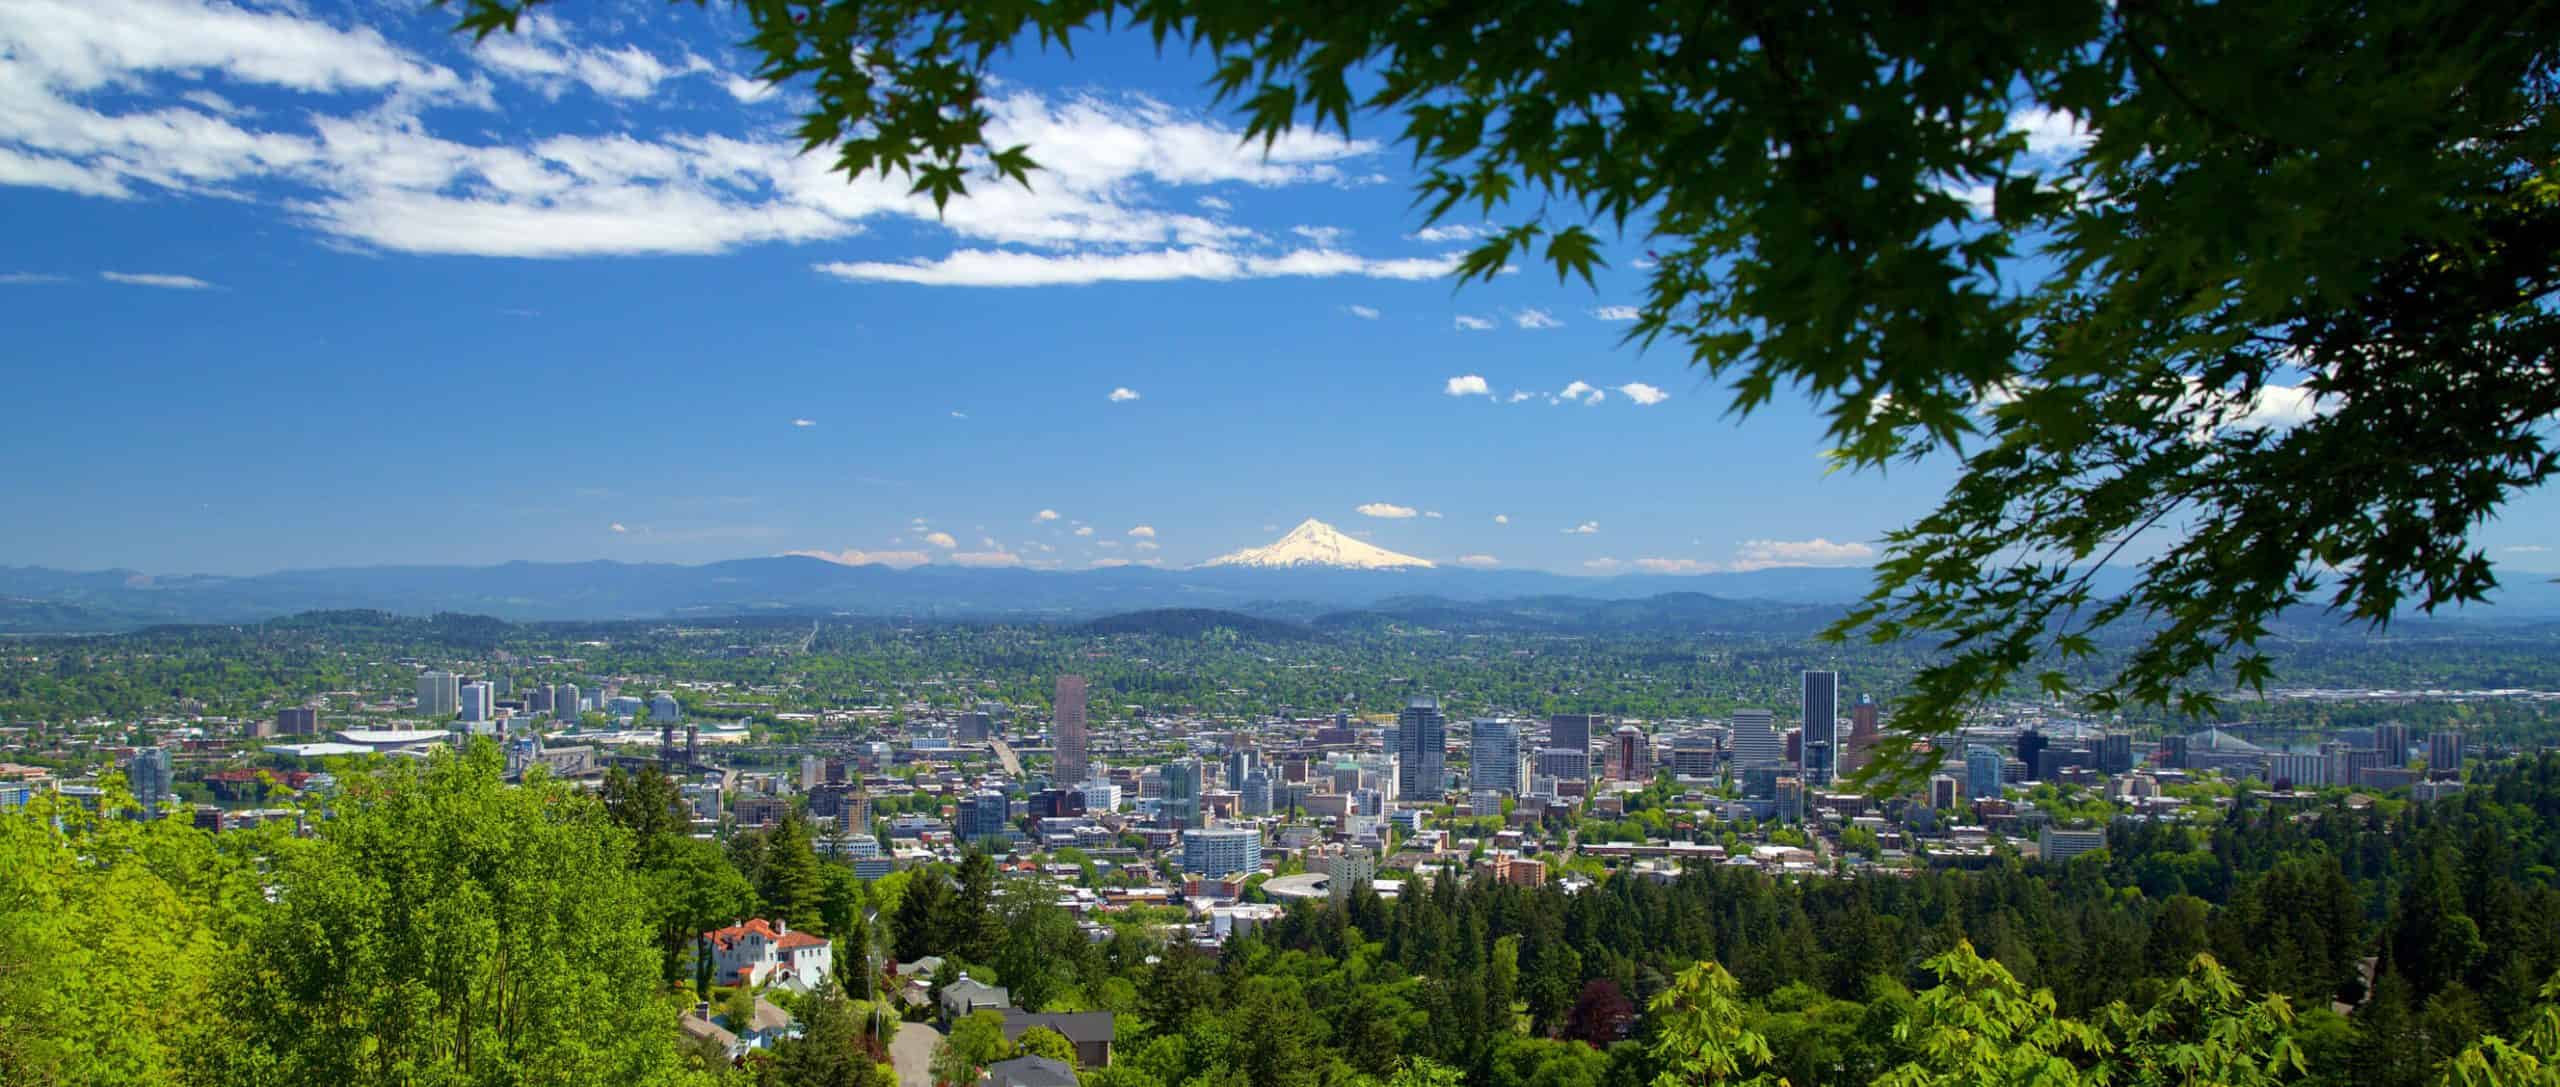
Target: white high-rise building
x=439, y=694
x=1222, y=851
x=1493, y=756
x=479, y=702
x=1755, y=742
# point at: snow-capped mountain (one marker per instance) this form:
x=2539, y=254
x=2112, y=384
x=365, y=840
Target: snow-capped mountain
x=1315, y=543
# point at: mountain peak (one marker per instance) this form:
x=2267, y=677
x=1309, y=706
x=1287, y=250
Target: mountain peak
x=1315, y=543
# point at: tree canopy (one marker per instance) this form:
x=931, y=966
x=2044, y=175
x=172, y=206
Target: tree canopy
x=2257, y=294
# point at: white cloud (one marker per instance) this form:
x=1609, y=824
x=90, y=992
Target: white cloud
x=804, y=422
x=1587, y=528
x=1123, y=395
x=1144, y=531
x=1615, y=313
x=155, y=279
x=2525, y=549
x=1535, y=319
x=1603, y=564
x=1145, y=545
x=2050, y=131
x=1214, y=204
x=1677, y=566
x=1364, y=313
x=2271, y=407
x=1643, y=394
x=1014, y=268
x=1106, y=564
x=1501, y=518
x=1084, y=530
x=942, y=540
x=1583, y=392
x=618, y=527
x=746, y=90
x=1468, y=385
x=540, y=54
x=1761, y=554
x=1518, y=395
x=1388, y=510
x=985, y=558
x=1325, y=237
x=1432, y=514
x=853, y=557
x=1479, y=561
x=1045, y=515
x=1467, y=323
x=1447, y=232
x=989, y=542
x=959, y=415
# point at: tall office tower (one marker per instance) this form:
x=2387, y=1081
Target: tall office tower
x=564, y=701
x=1493, y=756
x=439, y=694
x=1942, y=792
x=148, y=776
x=975, y=727
x=2031, y=745
x=479, y=702
x=1254, y=792
x=2115, y=752
x=2444, y=754
x=1241, y=764
x=2392, y=739
x=1821, y=722
x=1570, y=731
x=1630, y=754
x=1067, y=719
x=1180, y=806
x=982, y=818
x=298, y=721
x=1982, y=773
x=1755, y=740
x=1693, y=757
x=1866, y=727
x=664, y=707
x=1422, y=754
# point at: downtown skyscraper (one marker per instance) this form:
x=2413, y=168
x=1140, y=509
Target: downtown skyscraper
x=1422, y=750
x=1821, y=725
x=1067, y=717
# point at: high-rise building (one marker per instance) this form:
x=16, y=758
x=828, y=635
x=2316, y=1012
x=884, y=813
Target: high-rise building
x=1565, y=764
x=664, y=707
x=2031, y=745
x=1344, y=872
x=297, y=721
x=1982, y=773
x=2115, y=752
x=479, y=702
x=1866, y=729
x=148, y=776
x=2444, y=754
x=975, y=727
x=1790, y=796
x=439, y=694
x=1493, y=756
x=2392, y=739
x=2061, y=845
x=1821, y=723
x=564, y=701
x=1253, y=794
x=1180, y=805
x=1942, y=792
x=1221, y=851
x=1630, y=754
x=1570, y=731
x=1067, y=721
x=982, y=818
x=1693, y=757
x=1422, y=750
x=1240, y=764
x=1755, y=740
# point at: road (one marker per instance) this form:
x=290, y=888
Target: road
x=912, y=1052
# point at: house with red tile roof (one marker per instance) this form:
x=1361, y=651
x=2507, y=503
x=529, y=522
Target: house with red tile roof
x=759, y=952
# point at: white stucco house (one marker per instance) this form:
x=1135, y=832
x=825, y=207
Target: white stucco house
x=760, y=952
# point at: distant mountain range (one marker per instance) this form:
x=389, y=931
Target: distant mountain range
x=38, y=600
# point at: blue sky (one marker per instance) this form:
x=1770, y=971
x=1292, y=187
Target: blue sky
x=319, y=283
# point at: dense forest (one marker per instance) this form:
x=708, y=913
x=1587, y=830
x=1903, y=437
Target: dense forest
x=444, y=927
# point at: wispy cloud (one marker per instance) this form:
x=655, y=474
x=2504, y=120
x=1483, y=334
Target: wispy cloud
x=1016, y=268
x=1757, y=554
x=2525, y=549
x=21, y=279
x=856, y=557
x=618, y=527
x=1535, y=319
x=1447, y=232
x=1123, y=395
x=1480, y=562
x=1587, y=528
x=1432, y=514
x=1603, y=564
x=1643, y=394
x=1144, y=531
x=1468, y=385
x=156, y=279
x=1364, y=313
x=1388, y=510
x=804, y=422
x=1615, y=313
x=1469, y=323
